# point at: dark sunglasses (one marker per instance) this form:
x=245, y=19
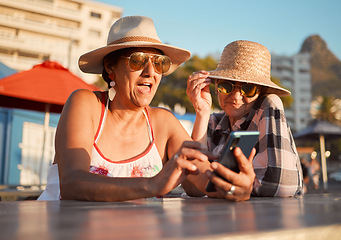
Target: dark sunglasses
x=139, y=60
x=226, y=87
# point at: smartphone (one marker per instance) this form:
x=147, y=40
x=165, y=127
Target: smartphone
x=245, y=140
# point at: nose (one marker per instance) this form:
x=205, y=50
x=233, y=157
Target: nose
x=149, y=70
x=237, y=92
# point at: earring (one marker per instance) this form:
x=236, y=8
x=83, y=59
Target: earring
x=112, y=91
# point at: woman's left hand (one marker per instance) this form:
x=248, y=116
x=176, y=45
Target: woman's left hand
x=238, y=186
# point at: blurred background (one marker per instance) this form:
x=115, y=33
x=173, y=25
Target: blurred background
x=41, y=41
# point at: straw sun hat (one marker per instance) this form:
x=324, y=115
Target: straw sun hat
x=246, y=61
x=132, y=31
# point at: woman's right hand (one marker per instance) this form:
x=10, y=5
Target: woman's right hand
x=199, y=92
x=242, y=182
x=179, y=166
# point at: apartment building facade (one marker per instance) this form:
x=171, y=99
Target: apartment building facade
x=32, y=31
x=294, y=73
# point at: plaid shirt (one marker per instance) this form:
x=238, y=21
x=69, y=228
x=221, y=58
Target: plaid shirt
x=276, y=164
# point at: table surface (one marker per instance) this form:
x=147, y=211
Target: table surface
x=314, y=216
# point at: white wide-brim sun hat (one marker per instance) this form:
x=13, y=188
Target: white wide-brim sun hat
x=127, y=32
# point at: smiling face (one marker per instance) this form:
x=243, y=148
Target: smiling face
x=134, y=88
x=235, y=105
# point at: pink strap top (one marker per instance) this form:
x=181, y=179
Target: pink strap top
x=146, y=164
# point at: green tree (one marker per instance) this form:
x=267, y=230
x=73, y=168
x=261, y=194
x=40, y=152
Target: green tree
x=287, y=100
x=172, y=88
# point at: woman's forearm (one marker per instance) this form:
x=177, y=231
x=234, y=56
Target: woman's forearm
x=199, y=132
x=93, y=187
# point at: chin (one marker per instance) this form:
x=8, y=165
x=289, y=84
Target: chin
x=143, y=103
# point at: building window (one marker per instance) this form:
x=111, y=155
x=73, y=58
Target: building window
x=304, y=71
x=95, y=15
x=94, y=33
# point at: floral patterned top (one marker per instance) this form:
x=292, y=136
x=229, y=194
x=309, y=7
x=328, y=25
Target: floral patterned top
x=146, y=164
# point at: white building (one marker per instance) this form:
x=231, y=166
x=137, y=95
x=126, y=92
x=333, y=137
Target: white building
x=294, y=73
x=32, y=31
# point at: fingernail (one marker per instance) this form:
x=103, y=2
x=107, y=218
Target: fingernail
x=214, y=165
x=194, y=168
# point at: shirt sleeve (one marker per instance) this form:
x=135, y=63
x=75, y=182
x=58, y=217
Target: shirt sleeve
x=277, y=165
x=214, y=131
x=212, y=123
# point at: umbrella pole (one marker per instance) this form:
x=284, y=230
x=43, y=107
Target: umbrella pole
x=46, y=127
x=323, y=163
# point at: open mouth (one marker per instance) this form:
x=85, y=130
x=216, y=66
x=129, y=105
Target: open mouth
x=144, y=87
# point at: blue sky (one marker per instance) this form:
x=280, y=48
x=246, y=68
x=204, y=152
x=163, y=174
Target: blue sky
x=207, y=26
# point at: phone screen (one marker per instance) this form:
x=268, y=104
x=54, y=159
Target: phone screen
x=245, y=140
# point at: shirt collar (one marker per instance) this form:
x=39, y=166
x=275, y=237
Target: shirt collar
x=237, y=125
x=224, y=124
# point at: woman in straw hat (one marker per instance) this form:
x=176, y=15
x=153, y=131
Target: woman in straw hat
x=250, y=101
x=111, y=146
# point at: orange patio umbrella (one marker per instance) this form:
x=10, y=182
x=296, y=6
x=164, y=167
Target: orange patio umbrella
x=45, y=88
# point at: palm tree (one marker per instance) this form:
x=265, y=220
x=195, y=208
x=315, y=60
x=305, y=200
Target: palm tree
x=326, y=108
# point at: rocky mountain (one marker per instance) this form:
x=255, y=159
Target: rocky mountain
x=325, y=67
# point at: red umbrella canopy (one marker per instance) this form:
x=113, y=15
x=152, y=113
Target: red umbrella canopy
x=47, y=84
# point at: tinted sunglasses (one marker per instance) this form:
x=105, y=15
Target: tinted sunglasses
x=139, y=60
x=226, y=87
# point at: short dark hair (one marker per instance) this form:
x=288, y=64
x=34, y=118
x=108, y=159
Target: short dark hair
x=112, y=58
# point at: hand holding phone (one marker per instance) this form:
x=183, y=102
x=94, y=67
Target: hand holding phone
x=245, y=140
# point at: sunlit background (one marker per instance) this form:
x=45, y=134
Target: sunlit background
x=302, y=36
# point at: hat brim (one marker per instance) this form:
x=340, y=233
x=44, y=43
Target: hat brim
x=271, y=87
x=92, y=62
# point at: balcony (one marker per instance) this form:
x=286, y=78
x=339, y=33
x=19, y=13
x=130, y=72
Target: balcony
x=20, y=22
x=45, y=8
x=42, y=47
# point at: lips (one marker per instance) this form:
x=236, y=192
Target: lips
x=234, y=105
x=144, y=87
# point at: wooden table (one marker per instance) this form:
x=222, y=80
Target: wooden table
x=314, y=216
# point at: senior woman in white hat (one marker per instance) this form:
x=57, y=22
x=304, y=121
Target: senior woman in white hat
x=111, y=146
x=250, y=101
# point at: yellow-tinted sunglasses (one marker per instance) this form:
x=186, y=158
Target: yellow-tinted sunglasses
x=226, y=87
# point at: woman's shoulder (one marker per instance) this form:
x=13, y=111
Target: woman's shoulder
x=84, y=101
x=161, y=114
x=163, y=119
x=85, y=98
x=87, y=95
x=272, y=101
x=166, y=125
